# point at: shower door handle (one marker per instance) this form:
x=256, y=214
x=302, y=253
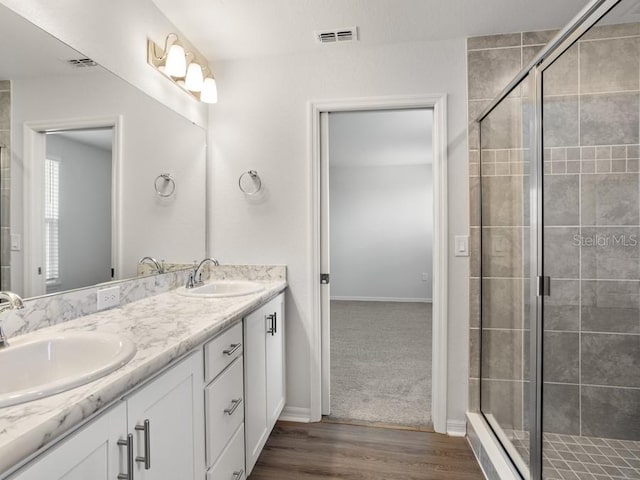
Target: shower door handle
x=544, y=286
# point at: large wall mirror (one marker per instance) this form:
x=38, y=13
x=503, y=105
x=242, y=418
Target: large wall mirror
x=95, y=174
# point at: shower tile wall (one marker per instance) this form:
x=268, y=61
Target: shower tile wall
x=592, y=223
x=5, y=184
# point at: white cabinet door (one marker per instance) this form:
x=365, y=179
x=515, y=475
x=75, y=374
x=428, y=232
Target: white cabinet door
x=91, y=453
x=172, y=407
x=255, y=388
x=263, y=375
x=275, y=360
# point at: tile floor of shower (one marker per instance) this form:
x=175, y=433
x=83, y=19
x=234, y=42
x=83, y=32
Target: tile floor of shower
x=572, y=457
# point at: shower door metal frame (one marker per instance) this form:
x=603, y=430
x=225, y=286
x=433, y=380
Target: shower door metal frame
x=569, y=35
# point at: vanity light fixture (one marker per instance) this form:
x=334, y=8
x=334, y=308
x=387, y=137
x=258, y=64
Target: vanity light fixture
x=176, y=64
x=194, y=79
x=186, y=72
x=209, y=92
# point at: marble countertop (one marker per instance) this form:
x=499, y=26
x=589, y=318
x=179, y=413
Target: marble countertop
x=164, y=327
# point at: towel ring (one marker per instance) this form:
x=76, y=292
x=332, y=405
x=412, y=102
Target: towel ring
x=167, y=178
x=249, y=182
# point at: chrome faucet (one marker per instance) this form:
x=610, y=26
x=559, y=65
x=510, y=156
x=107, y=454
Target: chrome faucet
x=158, y=266
x=13, y=302
x=195, y=278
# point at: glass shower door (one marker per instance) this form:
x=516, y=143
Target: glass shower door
x=505, y=159
x=591, y=241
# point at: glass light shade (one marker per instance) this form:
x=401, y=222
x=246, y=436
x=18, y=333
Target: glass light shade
x=176, y=64
x=194, y=79
x=209, y=92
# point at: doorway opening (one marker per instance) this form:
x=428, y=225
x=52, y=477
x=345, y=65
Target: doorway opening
x=78, y=180
x=377, y=231
x=71, y=181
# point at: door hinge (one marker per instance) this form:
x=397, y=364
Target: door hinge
x=324, y=278
x=544, y=286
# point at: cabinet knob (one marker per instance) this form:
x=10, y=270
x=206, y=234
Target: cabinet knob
x=147, y=444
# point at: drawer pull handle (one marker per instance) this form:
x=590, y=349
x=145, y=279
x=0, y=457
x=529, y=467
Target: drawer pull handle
x=147, y=445
x=129, y=444
x=233, y=348
x=234, y=406
x=272, y=322
x=238, y=475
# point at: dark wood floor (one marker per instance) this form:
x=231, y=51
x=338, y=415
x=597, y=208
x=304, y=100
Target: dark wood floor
x=328, y=450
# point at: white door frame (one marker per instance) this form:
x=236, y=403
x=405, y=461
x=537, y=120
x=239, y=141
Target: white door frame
x=440, y=251
x=34, y=154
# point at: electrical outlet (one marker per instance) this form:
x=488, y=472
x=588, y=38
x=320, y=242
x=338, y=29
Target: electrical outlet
x=425, y=277
x=108, y=297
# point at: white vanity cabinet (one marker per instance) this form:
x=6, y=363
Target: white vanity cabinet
x=172, y=445
x=207, y=417
x=264, y=375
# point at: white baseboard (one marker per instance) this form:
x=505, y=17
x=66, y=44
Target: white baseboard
x=456, y=428
x=383, y=299
x=296, y=414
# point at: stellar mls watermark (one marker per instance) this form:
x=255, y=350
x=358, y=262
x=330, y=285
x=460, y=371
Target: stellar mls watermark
x=600, y=240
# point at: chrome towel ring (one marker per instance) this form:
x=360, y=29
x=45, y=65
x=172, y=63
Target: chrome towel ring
x=164, y=190
x=249, y=182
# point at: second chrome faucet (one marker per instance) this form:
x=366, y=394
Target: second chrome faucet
x=13, y=302
x=194, y=279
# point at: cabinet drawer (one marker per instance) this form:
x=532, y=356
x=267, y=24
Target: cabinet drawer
x=221, y=351
x=230, y=465
x=224, y=400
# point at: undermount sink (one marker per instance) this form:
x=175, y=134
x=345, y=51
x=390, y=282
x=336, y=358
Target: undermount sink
x=222, y=288
x=37, y=366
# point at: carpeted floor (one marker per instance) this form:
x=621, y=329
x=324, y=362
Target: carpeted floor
x=381, y=362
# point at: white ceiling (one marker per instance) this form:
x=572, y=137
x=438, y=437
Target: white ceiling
x=225, y=29
x=380, y=138
x=30, y=51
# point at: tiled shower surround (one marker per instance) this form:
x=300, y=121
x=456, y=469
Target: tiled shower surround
x=5, y=184
x=591, y=358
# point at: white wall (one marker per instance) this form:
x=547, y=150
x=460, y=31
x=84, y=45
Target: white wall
x=262, y=122
x=114, y=33
x=85, y=213
x=155, y=140
x=381, y=231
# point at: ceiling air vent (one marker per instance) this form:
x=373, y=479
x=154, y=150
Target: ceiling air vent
x=81, y=62
x=338, y=36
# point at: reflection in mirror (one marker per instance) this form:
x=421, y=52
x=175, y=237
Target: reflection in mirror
x=76, y=257
x=80, y=150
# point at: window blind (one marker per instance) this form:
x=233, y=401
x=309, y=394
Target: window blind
x=51, y=219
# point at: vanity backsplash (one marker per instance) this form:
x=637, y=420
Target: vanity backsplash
x=41, y=312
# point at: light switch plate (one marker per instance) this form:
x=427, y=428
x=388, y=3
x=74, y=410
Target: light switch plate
x=108, y=298
x=462, y=245
x=16, y=242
